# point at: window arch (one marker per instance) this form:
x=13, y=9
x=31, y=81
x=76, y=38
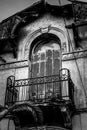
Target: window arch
x=45, y=54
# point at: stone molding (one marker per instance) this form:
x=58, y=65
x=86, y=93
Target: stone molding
x=65, y=57
x=49, y=29
x=14, y=65
x=74, y=55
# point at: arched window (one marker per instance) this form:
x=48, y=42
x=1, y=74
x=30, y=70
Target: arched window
x=45, y=59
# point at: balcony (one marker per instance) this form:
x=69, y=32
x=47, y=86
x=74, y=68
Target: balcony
x=41, y=89
x=50, y=97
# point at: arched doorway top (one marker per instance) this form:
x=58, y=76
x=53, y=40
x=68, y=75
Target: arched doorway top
x=42, y=40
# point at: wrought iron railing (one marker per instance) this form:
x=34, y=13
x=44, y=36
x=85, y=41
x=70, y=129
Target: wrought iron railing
x=40, y=89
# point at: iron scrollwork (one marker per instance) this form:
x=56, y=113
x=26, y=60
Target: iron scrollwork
x=38, y=80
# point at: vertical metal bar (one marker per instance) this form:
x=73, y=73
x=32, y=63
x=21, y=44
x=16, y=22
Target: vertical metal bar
x=68, y=89
x=60, y=80
x=29, y=92
x=6, y=91
x=53, y=90
x=45, y=92
x=13, y=94
x=37, y=91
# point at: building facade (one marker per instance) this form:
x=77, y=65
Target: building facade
x=43, y=70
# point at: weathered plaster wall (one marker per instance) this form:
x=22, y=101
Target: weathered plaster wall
x=77, y=70
x=7, y=124
x=20, y=66
x=79, y=121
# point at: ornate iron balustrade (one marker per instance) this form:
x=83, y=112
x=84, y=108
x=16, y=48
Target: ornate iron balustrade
x=38, y=80
x=41, y=89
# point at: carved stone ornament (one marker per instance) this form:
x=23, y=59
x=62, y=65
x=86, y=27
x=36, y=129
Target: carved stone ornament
x=7, y=28
x=80, y=11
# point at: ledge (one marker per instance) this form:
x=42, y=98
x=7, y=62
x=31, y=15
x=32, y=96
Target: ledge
x=74, y=55
x=65, y=57
x=13, y=65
